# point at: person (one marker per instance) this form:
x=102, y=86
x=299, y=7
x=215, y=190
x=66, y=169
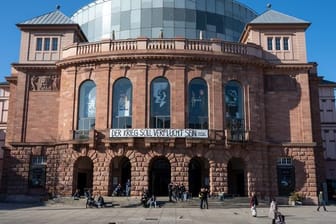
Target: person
x=151, y=201
x=273, y=210
x=205, y=199
x=321, y=202
x=128, y=187
x=76, y=195
x=201, y=197
x=100, y=201
x=170, y=191
x=144, y=198
x=117, y=191
x=89, y=199
x=253, y=205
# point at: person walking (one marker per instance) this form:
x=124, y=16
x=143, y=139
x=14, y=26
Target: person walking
x=253, y=205
x=321, y=202
x=273, y=210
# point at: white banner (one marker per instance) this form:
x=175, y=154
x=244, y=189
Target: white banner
x=158, y=133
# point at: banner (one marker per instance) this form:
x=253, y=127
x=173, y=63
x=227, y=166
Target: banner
x=158, y=133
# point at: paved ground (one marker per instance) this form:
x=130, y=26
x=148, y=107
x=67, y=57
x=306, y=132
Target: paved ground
x=76, y=213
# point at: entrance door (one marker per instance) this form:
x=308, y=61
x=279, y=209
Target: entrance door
x=120, y=172
x=159, y=177
x=236, y=177
x=83, y=174
x=195, y=177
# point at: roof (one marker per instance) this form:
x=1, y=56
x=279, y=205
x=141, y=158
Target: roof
x=274, y=17
x=55, y=17
x=327, y=82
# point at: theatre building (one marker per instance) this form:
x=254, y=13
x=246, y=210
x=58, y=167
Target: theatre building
x=200, y=93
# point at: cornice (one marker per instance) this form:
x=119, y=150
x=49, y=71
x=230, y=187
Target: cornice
x=29, y=67
x=185, y=56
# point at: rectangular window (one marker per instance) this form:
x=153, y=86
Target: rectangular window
x=277, y=43
x=54, y=44
x=46, y=44
x=39, y=44
x=286, y=43
x=37, y=171
x=285, y=161
x=269, y=43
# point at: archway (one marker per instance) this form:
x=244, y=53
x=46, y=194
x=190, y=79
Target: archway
x=159, y=176
x=198, y=175
x=236, y=177
x=120, y=172
x=83, y=174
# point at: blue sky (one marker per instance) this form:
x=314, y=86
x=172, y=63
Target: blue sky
x=320, y=36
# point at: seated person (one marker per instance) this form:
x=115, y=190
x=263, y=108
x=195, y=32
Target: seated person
x=76, y=195
x=151, y=201
x=100, y=201
x=117, y=191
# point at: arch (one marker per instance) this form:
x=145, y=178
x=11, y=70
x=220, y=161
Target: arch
x=159, y=176
x=87, y=106
x=160, y=103
x=236, y=176
x=83, y=174
x=198, y=104
x=120, y=173
x=234, y=109
x=122, y=104
x=198, y=174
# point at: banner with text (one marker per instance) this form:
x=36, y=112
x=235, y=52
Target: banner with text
x=158, y=133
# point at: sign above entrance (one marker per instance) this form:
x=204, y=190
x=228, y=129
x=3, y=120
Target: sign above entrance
x=158, y=133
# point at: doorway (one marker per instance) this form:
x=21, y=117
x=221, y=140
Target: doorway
x=236, y=177
x=83, y=174
x=198, y=175
x=159, y=176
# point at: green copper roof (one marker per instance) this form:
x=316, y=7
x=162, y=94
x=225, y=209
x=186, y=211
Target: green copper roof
x=55, y=17
x=274, y=17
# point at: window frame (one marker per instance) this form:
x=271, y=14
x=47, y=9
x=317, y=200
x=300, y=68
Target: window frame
x=127, y=123
x=37, y=171
x=203, y=118
x=157, y=97
x=47, y=43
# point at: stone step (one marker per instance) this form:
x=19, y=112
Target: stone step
x=124, y=202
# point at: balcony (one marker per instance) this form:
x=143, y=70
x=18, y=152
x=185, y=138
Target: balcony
x=235, y=131
x=178, y=46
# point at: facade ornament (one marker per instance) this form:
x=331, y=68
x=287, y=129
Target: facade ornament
x=48, y=83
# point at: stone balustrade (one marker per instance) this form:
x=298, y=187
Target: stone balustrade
x=152, y=45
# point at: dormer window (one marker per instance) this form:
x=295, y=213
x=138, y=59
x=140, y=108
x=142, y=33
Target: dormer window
x=286, y=43
x=278, y=43
x=46, y=44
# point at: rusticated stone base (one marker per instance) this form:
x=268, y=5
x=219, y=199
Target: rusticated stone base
x=258, y=162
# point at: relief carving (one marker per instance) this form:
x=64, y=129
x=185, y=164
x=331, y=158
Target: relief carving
x=44, y=83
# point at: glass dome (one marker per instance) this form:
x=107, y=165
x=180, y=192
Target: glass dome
x=123, y=19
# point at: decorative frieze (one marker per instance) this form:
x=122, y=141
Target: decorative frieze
x=48, y=83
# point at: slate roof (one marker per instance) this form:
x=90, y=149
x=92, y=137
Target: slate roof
x=56, y=17
x=327, y=82
x=274, y=17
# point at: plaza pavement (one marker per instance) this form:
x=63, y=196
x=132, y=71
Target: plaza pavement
x=76, y=213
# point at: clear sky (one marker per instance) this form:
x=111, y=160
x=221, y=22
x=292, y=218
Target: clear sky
x=320, y=35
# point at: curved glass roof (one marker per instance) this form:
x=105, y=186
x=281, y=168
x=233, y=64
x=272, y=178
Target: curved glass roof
x=123, y=19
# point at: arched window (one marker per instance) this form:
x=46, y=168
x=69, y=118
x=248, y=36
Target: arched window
x=122, y=104
x=160, y=103
x=198, y=104
x=234, y=110
x=87, y=105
